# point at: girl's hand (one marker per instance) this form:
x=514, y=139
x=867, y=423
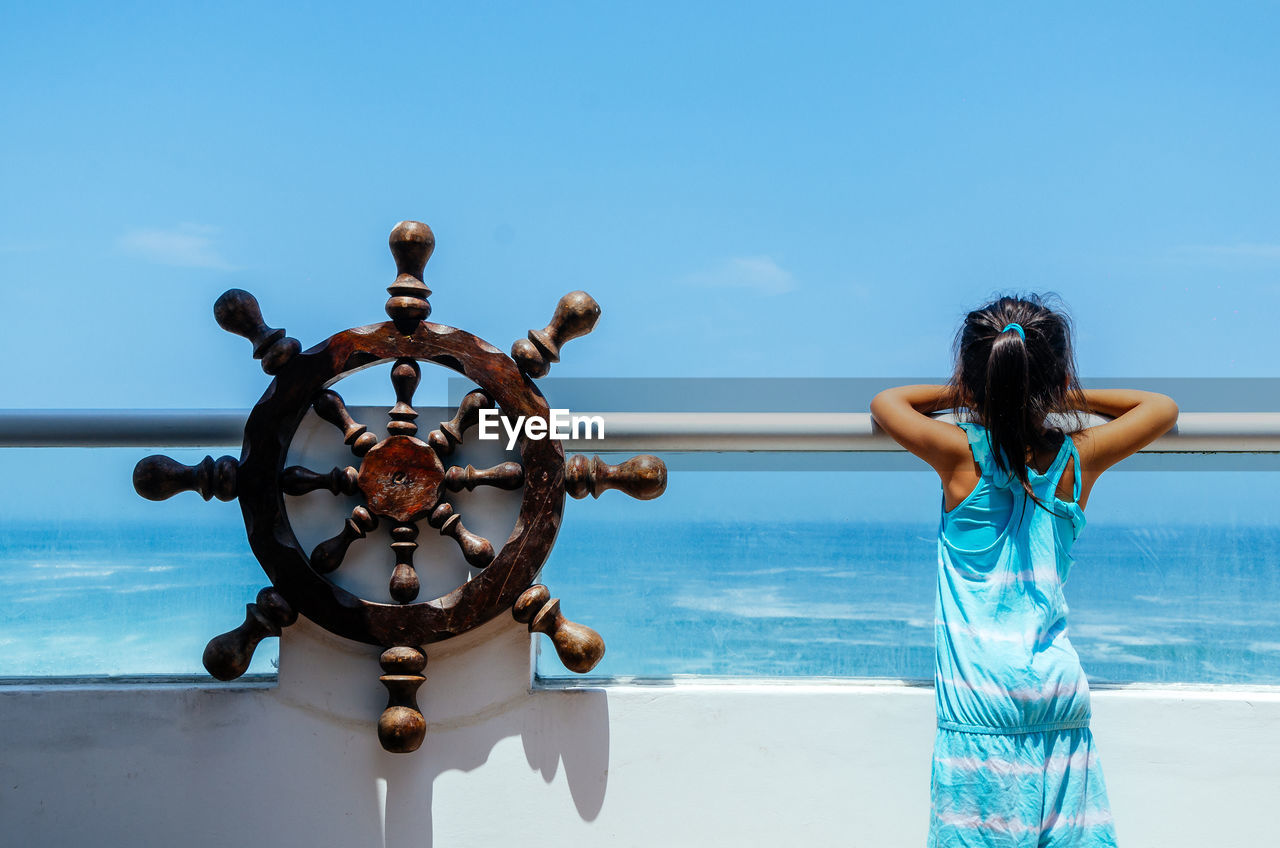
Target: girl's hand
x=1138, y=419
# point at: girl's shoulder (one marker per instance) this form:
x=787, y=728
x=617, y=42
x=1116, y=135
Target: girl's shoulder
x=984, y=453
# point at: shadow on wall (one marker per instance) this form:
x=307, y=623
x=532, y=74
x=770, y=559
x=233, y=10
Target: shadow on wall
x=300, y=764
x=476, y=697
x=573, y=736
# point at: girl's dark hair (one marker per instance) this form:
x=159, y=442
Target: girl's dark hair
x=1010, y=385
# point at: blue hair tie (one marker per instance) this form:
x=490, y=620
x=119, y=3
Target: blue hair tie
x=1017, y=328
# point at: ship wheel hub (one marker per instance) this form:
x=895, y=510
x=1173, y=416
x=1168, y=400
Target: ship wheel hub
x=402, y=478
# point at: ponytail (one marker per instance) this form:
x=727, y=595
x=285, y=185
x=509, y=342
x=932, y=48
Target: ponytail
x=1009, y=406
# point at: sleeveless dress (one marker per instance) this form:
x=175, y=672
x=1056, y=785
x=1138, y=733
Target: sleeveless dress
x=1014, y=762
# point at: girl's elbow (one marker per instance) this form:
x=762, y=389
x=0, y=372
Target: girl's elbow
x=887, y=407
x=879, y=404
x=1168, y=409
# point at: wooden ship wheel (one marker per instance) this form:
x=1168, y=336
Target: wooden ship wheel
x=402, y=479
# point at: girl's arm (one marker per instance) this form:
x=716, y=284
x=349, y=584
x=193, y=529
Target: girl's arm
x=1138, y=419
x=903, y=414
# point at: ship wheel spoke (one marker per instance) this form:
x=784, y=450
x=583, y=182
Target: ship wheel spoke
x=227, y=657
x=236, y=311
x=576, y=315
x=329, y=406
x=405, y=375
x=296, y=480
x=328, y=555
x=159, y=477
x=404, y=579
x=450, y=433
x=643, y=477
x=506, y=475
x=476, y=550
x=579, y=647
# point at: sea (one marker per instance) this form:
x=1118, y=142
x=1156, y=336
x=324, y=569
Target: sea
x=1197, y=604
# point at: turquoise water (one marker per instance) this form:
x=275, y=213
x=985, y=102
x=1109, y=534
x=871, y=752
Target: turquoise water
x=1165, y=604
x=111, y=599
x=1161, y=604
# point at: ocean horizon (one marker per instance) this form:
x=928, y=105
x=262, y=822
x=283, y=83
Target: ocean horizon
x=1166, y=604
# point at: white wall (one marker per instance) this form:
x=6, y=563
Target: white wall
x=696, y=764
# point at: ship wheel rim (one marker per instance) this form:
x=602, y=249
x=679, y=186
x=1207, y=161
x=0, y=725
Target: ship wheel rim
x=274, y=422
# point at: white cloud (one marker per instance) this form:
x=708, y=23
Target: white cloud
x=186, y=246
x=757, y=273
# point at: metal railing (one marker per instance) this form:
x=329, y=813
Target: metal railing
x=1196, y=432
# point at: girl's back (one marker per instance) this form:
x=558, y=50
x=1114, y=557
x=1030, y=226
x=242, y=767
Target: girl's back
x=1003, y=661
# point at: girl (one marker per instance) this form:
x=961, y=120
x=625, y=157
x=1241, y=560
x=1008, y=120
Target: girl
x=1014, y=762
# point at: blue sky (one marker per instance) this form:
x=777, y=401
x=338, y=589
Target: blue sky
x=748, y=189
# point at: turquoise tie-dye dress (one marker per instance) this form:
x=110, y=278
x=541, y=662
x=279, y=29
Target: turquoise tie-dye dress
x=1014, y=762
